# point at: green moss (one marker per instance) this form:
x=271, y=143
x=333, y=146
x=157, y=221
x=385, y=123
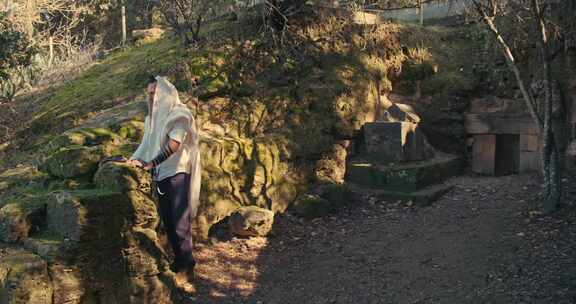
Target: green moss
x=450, y=49
x=132, y=130
x=120, y=75
x=21, y=176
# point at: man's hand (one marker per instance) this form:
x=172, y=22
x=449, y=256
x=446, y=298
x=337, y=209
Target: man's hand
x=139, y=164
x=135, y=163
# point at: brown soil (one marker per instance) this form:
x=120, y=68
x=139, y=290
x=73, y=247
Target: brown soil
x=484, y=242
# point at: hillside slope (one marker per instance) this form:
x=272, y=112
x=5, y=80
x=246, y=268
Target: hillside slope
x=269, y=120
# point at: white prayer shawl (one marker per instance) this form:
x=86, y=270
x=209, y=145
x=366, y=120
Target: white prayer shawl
x=167, y=110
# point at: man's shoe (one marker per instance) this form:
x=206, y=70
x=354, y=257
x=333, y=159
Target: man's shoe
x=183, y=283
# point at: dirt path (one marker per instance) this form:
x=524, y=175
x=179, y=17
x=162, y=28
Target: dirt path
x=482, y=243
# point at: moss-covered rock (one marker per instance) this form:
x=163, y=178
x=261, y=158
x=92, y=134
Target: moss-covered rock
x=111, y=236
x=312, y=206
x=24, y=279
x=239, y=172
x=20, y=219
x=323, y=200
x=73, y=161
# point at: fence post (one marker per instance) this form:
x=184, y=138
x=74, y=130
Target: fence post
x=421, y=12
x=123, y=23
x=50, y=50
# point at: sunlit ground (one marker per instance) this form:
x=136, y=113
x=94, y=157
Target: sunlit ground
x=228, y=268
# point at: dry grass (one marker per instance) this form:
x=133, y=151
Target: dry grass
x=67, y=66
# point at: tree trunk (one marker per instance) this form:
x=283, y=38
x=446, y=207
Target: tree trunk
x=550, y=158
x=551, y=170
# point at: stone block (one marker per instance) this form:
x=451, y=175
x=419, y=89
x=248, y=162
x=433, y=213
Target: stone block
x=484, y=154
x=499, y=123
x=387, y=142
x=79, y=215
x=383, y=141
x=529, y=162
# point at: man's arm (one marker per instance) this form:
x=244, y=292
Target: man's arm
x=137, y=155
x=165, y=152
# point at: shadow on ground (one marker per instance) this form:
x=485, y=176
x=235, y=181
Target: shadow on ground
x=484, y=242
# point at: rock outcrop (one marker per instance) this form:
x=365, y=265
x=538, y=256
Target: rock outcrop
x=20, y=220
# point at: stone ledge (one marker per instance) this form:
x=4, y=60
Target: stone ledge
x=404, y=177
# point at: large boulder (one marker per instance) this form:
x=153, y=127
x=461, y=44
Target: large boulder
x=251, y=221
x=24, y=279
x=111, y=236
x=19, y=219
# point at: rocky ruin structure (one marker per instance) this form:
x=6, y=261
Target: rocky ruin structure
x=395, y=160
x=505, y=140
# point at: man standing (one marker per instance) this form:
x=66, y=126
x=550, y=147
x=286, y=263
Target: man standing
x=170, y=150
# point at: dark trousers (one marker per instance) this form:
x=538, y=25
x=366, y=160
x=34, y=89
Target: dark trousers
x=175, y=214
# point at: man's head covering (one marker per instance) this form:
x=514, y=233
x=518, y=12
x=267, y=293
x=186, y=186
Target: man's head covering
x=167, y=110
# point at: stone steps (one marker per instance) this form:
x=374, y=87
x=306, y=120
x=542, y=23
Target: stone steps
x=422, y=197
x=403, y=178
